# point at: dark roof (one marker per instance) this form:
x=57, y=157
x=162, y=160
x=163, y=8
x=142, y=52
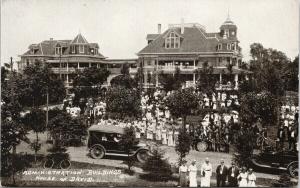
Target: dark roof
x=79, y=39
x=47, y=47
x=107, y=129
x=194, y=39
x=152, y=36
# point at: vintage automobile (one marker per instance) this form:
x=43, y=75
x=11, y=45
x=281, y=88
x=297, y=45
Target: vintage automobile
x=103, y=140
x=281, y=161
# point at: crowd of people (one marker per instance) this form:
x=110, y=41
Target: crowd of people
x=232, y=176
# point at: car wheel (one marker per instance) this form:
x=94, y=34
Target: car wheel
x=293, y=169
x=202, y=146
x=97, y=152
x=142, y=156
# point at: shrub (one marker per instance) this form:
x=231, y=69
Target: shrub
x=157, y=168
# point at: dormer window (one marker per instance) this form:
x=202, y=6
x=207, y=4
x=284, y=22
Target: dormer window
x=96, y=51
x=73, y=49
x=228, y=46
x=58, y=50
x=220, y=46
x=172, y=41
x=81, y=49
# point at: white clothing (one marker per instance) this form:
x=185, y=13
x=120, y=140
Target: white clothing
x=183, y=168
x=206, y=169
x=193, y=175
x=251, y=180
x=164, y=136
x=243, y=182
x=170, y=138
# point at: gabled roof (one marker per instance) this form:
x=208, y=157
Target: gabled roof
x=194, y=40
x=47, y=47
x=79, y=39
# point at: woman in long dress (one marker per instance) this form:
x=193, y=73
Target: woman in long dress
x=193, y=174
x=251, y=178
x=206, y=172
x=164, y=136
x=242, y=178
x=183, y=169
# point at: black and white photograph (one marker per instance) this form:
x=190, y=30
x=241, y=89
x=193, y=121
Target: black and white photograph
x=149, y=93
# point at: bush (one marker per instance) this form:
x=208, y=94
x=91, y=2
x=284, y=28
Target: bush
x=184, y=144
x=157, y=168
x=284, y=181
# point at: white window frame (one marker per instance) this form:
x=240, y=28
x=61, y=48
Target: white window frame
x=219, y=46
x=73, y=49
x=81, y=49
x=228, y=46
x=226, y=32
x=172, y=41
x=58, y=50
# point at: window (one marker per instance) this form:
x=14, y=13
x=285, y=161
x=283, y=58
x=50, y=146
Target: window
x=172, y=41
x=233, y=47
x=73, y=49
x=81, y=49
x=96, y=51
x=219, y=46
x=227, y=32
x=228, y=46
x=58, y=50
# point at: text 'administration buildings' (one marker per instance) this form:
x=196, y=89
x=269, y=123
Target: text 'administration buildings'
x=186, y=46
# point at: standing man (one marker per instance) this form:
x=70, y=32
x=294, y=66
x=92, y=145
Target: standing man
x=206, y=172
x=233, y=173
x=281, y=137
x=221, y=174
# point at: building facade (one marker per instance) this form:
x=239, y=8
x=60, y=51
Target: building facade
x=65, y=57
x=188, y=46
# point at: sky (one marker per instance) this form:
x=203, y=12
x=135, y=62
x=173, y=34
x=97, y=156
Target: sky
x=120, y=26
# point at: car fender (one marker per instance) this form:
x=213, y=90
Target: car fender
x=291, y=163
x=99, y=146
x=140, y=149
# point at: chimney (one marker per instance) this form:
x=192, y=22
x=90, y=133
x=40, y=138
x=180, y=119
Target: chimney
x=182, y=26
x=159, y=28
x=51, y=39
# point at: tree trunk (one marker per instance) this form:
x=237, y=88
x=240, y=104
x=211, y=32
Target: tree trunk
x=36, y=147
x=184, y=123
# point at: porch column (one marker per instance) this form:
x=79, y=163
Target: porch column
x=236, y=79
x=220, y=78
x=77, y=65
x=194, y=63
x=194, y=78
x=89, y=64
x=173, y=66
x=157, y=72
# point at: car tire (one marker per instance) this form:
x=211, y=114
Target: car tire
x=142, y=155
x=97, y=152
x=201, y=146
x=293, y=169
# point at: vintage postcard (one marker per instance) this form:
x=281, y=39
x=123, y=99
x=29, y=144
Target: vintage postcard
x=143, y=93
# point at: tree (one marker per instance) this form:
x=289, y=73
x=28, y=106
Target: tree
x=184, y=144
x=35, y=120
x=87, y=83
x=206, y=81
x=291, y=75
x=157, y=168
x=123, y=102
x=63, y=128
x=124, y=80
x=244, y=147
x=128, y=141
x=262, y=105
x=171, y=82
x=35, y=82
x=182, y=102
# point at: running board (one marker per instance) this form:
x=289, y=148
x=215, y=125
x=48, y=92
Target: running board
x=267, y=166
x=118, y=154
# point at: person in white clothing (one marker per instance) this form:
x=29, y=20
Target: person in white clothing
x=242, y=178
x=206, y=172
x=251, y=178
x=183, y=170
x=193, y=174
